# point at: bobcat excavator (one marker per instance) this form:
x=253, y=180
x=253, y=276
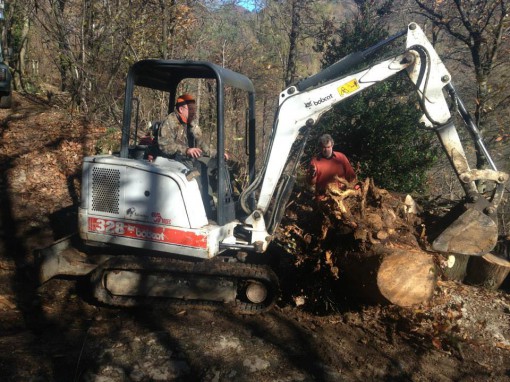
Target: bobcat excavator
x=146, y=235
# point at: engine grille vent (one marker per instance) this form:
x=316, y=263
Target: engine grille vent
x=105, y=190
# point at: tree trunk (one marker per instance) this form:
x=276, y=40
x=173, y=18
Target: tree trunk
x=293, y=42
x=19, y=83
x=488, y=270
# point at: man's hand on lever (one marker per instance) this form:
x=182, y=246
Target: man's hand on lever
x=194, y=152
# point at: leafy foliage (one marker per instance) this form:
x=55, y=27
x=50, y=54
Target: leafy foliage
x=383, y=140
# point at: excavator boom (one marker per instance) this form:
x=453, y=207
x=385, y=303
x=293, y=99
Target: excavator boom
x=301, y=106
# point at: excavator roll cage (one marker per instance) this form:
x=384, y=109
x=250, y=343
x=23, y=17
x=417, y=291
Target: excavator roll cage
x=165, y=76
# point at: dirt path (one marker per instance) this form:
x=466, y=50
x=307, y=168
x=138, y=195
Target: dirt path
x=55, y=333
x=60, y=337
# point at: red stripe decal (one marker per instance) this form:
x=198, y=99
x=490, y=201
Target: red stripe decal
x=145, y=232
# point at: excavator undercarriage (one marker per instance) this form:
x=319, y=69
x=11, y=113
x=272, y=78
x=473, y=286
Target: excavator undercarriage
x=133, y=281
x=127, y=278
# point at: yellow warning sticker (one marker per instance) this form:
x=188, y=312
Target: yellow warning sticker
x=348, y=87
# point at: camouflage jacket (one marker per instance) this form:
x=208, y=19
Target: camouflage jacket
x=175, y=137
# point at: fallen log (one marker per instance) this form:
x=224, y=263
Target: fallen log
x=488, y=271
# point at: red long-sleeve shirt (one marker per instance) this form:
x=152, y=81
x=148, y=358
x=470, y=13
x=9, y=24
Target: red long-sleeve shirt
x=324, y=170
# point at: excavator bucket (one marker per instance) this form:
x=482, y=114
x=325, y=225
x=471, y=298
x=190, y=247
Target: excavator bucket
x=62, y=258
x=472, y=233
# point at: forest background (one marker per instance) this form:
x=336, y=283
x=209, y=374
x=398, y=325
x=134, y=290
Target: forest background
x=77, y=53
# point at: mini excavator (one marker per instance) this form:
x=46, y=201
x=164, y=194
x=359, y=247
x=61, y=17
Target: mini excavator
x=147, y=235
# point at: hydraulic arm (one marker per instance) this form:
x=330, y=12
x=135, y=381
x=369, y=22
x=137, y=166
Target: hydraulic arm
x=301, y=106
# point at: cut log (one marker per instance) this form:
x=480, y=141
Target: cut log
x=488, y=271
x=455, y=266
x=382, y=235
x=407, y=277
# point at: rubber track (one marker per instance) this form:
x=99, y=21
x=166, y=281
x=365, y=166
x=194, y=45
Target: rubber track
x=215, y=267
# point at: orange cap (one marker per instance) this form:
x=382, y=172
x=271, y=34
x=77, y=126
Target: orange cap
x=184, y=99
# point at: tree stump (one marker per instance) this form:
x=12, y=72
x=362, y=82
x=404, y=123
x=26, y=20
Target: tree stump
x=456, y=266
x=386, y=262
x=488, y=271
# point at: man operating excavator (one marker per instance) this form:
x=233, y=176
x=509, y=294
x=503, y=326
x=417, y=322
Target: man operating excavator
x=179, y=137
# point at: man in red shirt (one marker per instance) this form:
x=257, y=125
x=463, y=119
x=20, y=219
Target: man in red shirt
x=325, y=167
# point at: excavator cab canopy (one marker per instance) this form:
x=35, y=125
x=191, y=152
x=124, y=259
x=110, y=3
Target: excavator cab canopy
x=168, y=76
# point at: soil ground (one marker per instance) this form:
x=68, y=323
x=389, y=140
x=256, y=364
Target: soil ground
x=54, y=332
